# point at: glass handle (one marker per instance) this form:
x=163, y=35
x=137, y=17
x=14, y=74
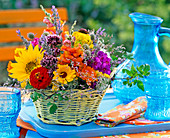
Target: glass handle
x=164, y=31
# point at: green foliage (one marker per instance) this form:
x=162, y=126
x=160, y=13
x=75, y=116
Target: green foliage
x=135, y=74
x=128, y=56
x=35, y=96
x=60, y=95
x=53, y=108
x=28, y=86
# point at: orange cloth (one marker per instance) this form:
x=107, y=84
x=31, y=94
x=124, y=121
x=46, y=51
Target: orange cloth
x=122, y=113
x=22, y=124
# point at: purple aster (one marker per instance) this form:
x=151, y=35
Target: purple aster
x=101, y=54
x=105, y=68
x=96, y=63
x=106, y=60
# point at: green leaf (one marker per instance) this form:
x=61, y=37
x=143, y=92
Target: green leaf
x=53, y=108
x=140, y=69
x=125, y=82
x=141, y=76
x=140, y=85
x=28, y=86
x=49, y=104
x=66, y=98
x=123, y=70
x=60, y=97
x=128, y=56
x=114, y=57
x=147, y=74
x=129, y=73
x=35, y=96
x=135, y=81
x=133, y=70
x=146, y=68
x=130, y=84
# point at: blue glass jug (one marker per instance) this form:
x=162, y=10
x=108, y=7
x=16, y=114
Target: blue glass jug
x=10, y=106
x=147, y=30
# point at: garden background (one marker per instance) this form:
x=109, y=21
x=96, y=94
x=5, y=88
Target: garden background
x=109, y=14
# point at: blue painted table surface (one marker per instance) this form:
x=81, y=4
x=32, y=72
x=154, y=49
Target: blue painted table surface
x=28, y=114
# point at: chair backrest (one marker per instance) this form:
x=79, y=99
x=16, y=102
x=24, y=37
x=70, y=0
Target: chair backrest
x=20, y=17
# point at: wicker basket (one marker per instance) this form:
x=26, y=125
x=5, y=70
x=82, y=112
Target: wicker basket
x=81, y=108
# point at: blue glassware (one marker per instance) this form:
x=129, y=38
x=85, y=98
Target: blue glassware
x=147, y=30
x=10, y=106
x=158, y=98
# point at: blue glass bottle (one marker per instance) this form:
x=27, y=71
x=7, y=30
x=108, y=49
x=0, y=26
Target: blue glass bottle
x=147, y=30
x=10, y=106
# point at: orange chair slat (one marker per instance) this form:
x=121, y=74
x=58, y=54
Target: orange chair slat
x=28, y=15
x=10, y=35
x=7, y=53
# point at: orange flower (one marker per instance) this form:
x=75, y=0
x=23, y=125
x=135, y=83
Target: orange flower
x=51, y=30
x=63, y=60
x=74, y=54
x=88, y=74
x=63, y=35
x=9, y=67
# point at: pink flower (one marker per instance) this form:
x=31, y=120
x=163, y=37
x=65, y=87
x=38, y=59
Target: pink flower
x=67, y=43
x=49, y=24
x=35, y=42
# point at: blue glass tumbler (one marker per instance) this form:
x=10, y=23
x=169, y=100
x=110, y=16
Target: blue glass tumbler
x=158, y=98
x=147, y=29
x=10, y=106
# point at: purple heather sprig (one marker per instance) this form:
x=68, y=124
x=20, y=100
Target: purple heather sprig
x=25, y=41
x=57, y=22
x=53, y=40
x=49, y=62
x=99, y=32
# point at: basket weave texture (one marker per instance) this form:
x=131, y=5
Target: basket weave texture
x=81, y=108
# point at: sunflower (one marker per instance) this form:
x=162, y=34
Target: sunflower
x=26, y=61
x=64, y=74
x=18, y=51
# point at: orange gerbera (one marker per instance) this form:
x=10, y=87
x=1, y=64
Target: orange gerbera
x=88, y=74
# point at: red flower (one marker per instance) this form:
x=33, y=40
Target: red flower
x=39, y=78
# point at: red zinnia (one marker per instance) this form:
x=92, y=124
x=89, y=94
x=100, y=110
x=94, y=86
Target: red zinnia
x=39, y=78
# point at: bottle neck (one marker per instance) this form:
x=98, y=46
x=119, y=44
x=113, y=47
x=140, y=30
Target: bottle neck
x=145, y=47
x=145, y=38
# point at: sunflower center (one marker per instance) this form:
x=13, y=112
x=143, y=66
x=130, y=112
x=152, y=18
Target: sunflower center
x=29, y=67
x=63, y=74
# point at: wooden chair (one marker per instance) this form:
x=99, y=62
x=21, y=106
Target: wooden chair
x=22, y=16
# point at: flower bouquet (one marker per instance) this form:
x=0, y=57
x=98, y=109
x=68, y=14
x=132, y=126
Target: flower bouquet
x=67, y=73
